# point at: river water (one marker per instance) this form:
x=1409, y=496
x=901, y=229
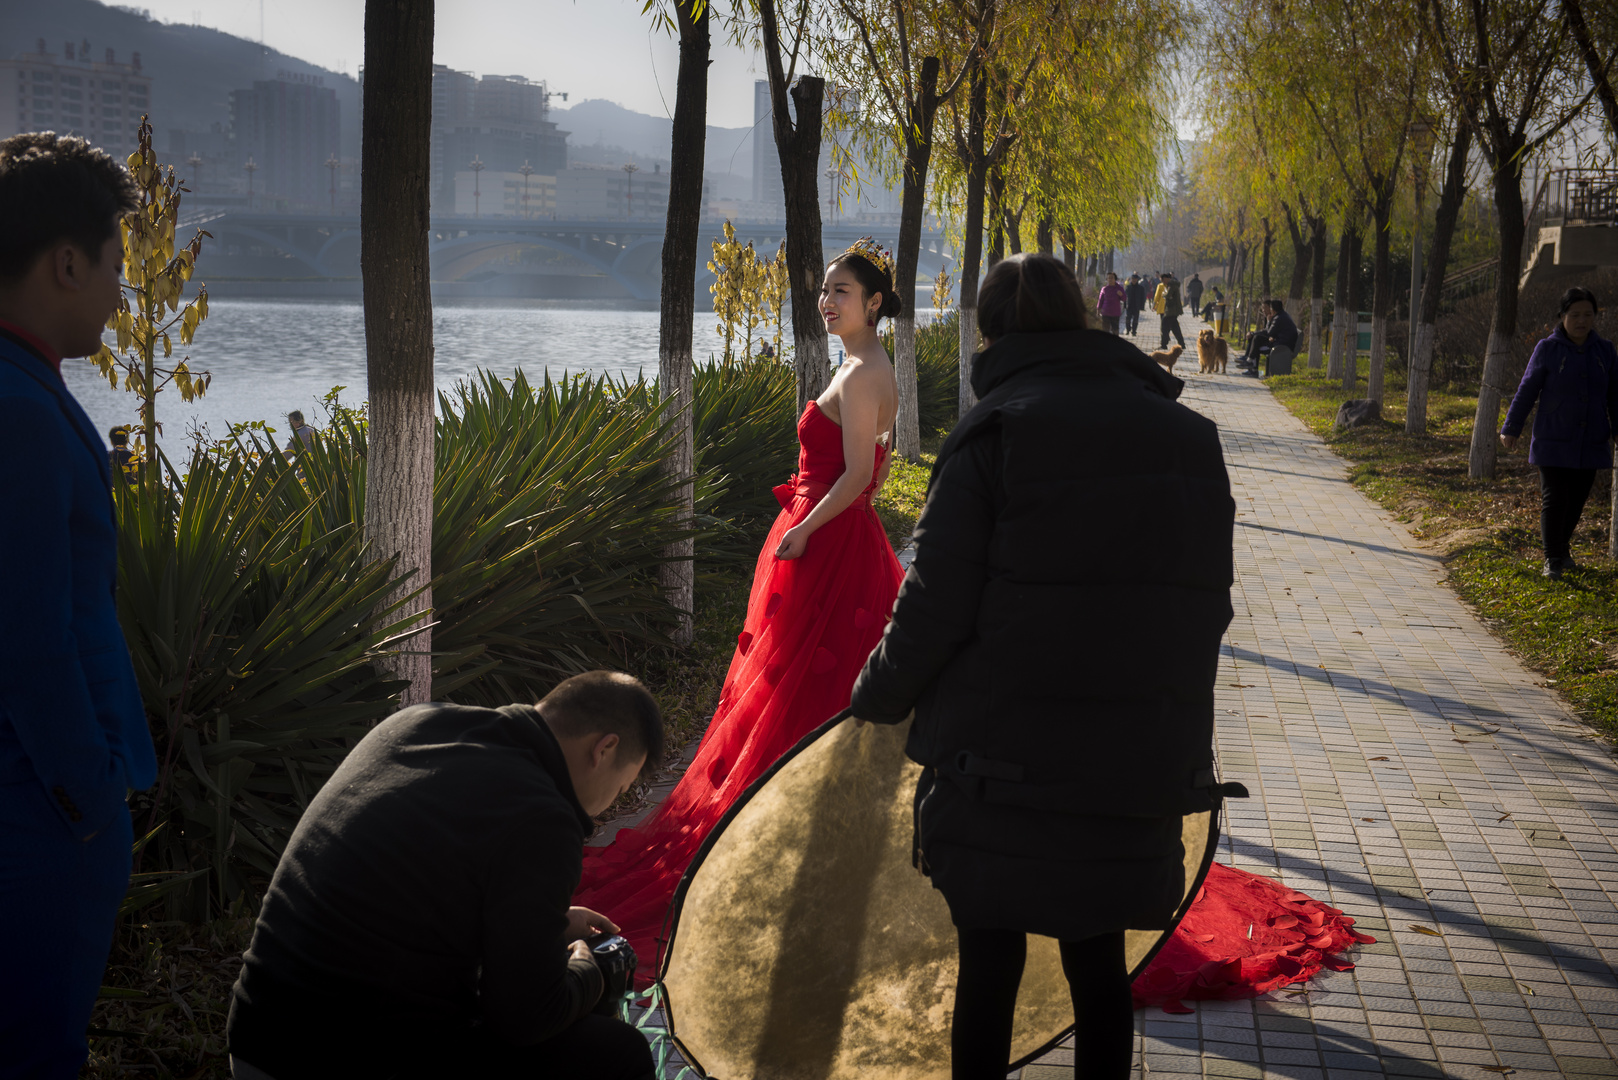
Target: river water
x=269, y=357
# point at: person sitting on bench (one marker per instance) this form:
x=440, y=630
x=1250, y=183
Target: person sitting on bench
x=418, y=925
x=1280, y=330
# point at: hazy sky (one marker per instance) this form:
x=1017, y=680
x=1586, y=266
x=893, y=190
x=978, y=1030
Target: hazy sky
x=590, y=49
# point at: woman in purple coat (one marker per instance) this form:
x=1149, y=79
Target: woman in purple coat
x=1573, y=375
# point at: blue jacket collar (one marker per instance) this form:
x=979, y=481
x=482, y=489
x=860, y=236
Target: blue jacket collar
x=20, y=355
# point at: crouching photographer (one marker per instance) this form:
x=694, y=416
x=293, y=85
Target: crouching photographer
x=418, y=924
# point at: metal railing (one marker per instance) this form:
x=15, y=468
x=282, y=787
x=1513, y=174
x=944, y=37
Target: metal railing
x=1574, y=197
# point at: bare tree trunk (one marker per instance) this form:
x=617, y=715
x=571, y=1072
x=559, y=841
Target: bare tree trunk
x=1269, y=239
x=1599, y=76
x=1612, y=530
x=1317, y=290
x=397, y=110
x=1339, y=307
x=1070, y=255
x=997, y=215
x=1449, y=210
x=1351, y=354
x=798, y=145
x=1381, y=299
x=918, y=157
x=1300, y=259
x=681, y=239
x=1046, y=235
x=977, y=175
x=1508, y=206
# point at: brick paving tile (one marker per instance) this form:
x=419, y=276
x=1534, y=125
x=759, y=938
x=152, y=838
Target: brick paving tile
x=1348, y=646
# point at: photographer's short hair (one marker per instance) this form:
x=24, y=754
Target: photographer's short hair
x=294, y=417
x=607, y=702
x=55, y=188
x=1029, y=294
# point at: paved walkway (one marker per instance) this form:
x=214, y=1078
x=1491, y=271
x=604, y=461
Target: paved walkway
x=1405, y=768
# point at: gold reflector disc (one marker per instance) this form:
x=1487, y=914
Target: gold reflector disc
x=803, y=944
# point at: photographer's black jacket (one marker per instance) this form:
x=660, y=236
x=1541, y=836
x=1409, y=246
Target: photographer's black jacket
x=424, y=892
x=1058, y=633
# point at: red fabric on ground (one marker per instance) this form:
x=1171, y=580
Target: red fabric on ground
x=1245, y=935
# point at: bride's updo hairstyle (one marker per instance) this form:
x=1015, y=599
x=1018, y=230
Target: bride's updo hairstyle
x=1029, y=294
x=873, y=279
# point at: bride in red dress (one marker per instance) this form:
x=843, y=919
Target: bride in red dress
x=822, y=592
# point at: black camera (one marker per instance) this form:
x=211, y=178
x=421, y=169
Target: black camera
x=615, y=959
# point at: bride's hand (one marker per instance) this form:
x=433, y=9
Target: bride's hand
x=793, y=544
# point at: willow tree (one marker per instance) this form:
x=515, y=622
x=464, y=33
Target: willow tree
x=906, y=68
x=1362, y=97
x=394, y=227
x=1510, y=73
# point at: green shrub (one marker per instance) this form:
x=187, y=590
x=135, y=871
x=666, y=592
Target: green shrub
x=938, y=374
x=249, y=605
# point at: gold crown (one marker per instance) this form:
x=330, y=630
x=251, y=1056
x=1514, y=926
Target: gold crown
x=871, y=251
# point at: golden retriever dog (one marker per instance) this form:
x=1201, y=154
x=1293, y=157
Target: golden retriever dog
x=1168, y=356
x=1213, y=352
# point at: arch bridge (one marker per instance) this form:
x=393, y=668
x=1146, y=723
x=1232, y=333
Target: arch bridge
x=280, y=247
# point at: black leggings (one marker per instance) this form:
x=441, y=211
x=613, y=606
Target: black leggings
x=1170, y=324
x=986, y=1000
x=1562, y=494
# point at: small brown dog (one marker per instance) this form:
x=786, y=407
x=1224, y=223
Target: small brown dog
x=1168, y=356
x=1213, y=352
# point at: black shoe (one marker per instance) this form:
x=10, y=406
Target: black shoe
x=1568, y=565
x=1552, y=569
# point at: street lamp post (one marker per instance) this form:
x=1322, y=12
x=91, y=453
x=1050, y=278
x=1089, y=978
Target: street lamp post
x=250, y=169
x=527, y=170
x=195, y=161
x=630, y=169
x=834, y=185
x=332, y=165
x=477, y=168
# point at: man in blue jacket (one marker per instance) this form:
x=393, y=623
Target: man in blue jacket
x=73, y=736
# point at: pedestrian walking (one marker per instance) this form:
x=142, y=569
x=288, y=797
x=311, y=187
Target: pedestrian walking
x=73, y=736
x=1573, y=377
x=1134, y=303
x=1110, y=303
x=1169, y=307
x=1193, y=291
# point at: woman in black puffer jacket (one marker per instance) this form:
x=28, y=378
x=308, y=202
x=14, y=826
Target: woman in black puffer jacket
x=1058, y=638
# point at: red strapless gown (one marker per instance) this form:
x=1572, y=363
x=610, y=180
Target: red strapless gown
x=811, y=623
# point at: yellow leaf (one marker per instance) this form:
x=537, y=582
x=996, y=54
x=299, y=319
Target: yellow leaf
x=1429, y=931
x=168, y=346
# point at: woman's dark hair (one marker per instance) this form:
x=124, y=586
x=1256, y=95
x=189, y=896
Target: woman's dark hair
x=1574, y=295
x=58, y=188
x=1029, y=294
x=873, y=279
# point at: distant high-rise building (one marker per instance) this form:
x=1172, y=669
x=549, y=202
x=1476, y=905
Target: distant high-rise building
x=500, y=120
x=766, y=160
x=102, y=100
x=288, y=127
